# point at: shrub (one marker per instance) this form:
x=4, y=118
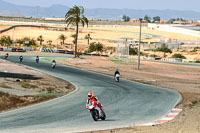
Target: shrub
x=133, y=51
x=95, y=47
x=180, y=56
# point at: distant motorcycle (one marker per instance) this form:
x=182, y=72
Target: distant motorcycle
x=96, y=114
x=117, y=76
x=20, y=58
x=37, y=60
x=6, y=56
x=53, y=65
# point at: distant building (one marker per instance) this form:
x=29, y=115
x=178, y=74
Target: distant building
x=138, y=21
x=180, y=22
x=164, y=22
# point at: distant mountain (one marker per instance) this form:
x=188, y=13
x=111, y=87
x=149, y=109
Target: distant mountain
x=8, y=9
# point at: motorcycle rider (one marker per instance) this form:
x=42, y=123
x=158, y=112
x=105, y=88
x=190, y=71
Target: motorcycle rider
x=6, y=56
x=53, y=63
x=116, y=72
x=95, y=101
x=37, y=58
x=20, y=58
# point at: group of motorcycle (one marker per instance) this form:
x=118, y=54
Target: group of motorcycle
x=96, y=112
x=53, y=64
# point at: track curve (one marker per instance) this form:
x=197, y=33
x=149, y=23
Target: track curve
x=126, y=103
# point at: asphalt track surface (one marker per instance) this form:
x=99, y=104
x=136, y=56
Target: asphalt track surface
x=126, y=103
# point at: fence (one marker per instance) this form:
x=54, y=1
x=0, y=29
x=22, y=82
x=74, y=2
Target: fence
x=122, y=49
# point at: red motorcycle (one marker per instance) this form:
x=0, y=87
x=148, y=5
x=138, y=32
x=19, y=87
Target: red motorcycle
x=96, y=112
x=6, y=56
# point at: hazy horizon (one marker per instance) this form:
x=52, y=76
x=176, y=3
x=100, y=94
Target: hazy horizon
x=192, y=5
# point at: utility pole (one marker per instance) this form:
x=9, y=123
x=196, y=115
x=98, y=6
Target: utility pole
x=138, y=66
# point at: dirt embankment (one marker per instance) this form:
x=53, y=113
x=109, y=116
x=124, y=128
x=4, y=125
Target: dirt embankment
x=184, y=79
x=37, y=86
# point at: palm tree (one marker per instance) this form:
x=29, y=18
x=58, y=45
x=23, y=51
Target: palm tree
x=62, y=37
x=88, y=38
x=6, y=41
x=40, y=39
x=75, y=16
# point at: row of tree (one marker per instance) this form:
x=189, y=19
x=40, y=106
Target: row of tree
x=155, y=19
x=152, y=20
x=6, y=41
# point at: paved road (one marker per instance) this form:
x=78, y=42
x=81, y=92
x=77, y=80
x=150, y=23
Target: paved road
x=126, y=103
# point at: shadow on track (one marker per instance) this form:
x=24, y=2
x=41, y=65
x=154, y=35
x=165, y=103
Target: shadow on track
x=17, y=75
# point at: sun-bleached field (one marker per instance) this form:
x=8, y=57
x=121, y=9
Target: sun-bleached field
x=105, y=35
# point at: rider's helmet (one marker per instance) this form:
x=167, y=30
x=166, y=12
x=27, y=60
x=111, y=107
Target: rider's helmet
x=53, y=61
x=90, y=94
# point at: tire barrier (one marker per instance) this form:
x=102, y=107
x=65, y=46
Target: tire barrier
x=67, y=52
x=48, y=50
x=12, y=50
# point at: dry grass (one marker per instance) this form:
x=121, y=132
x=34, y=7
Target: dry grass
x=9, y=102
x=27, y=84
x=3, y=85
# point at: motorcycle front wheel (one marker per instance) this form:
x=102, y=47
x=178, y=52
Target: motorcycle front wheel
x=94, y=115
x=104, y=115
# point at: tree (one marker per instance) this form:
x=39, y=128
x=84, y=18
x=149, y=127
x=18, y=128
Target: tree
x=40, y=39
x=126, y=18
x=164, y=48
x=31, y=41
x=147, y=18
x=156, y=19
x=62, y=37
x=88, y=38
x=75, y=16
x=6, y=41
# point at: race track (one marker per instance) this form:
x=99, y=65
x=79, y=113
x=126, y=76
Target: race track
x=126, y=103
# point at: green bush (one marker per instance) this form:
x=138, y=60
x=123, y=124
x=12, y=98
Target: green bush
x=197, y=61
x=133, y=51
x=180, y=56
x=95, y=47
x=194, y=50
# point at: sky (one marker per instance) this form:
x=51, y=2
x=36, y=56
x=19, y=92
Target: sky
x=117, y=4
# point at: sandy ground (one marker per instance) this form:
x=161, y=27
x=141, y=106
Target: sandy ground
x=184, y=79
x=105, y=35
x=22, y=91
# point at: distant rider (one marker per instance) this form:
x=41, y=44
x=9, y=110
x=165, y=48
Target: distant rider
x=116, y=72
x=37, y=58
x=20, y=58
x=6, y=55
x=53, y=62
x=94, y=100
